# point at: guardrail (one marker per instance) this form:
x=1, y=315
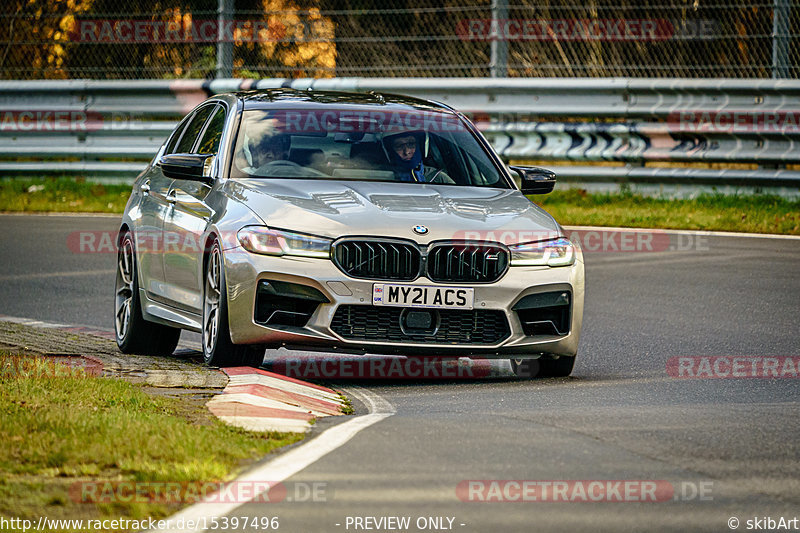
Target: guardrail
x=751, y=127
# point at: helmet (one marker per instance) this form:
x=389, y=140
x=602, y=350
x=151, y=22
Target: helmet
x=387, y=139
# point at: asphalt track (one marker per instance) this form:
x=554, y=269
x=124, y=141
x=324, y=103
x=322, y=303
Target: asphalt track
x=621, y=416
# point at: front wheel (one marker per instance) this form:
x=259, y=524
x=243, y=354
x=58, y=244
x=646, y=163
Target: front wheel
x=218, y=350
x=134, y=334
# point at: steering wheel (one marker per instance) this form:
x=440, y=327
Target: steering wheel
x=280, y=163
x=286, y=168
x=440, y=173
x=277, y=167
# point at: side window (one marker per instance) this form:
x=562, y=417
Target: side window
x=193, y=130
x=209, y=142
x=176, y=136
x=443, y=154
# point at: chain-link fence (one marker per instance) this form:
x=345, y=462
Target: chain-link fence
x=137, y=39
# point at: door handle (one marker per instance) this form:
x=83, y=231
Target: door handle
x=171, y=198
x=145, y=187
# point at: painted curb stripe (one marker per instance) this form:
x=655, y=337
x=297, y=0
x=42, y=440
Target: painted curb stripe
x=281, y=425
x=258, y=401
x=239, y=370
x=329, y=408
x=257, y=379
x=245, y=410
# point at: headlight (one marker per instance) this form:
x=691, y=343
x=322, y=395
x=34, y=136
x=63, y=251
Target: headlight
x=558, y=252
x=262, y=240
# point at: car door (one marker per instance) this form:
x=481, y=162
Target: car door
x=187, y=220
x=153, y=209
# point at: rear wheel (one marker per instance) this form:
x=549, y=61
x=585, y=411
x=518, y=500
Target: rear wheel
x=134, y=334
x=218, y=350
x=543, y=367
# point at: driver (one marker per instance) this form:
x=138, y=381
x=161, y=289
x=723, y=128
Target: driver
x=270, y=148
x=265, y=146
x=405, y=152
x=265, y=149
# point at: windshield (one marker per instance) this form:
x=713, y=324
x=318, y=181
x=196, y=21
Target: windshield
x=343, y=143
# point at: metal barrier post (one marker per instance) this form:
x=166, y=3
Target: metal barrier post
x=224, y=45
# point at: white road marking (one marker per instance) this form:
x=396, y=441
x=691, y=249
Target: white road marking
x=33, y=322
x=665, y=258
x=685, y=232
x=18, y=277
x=293, y=461
x=94, y=330
x=118, y=216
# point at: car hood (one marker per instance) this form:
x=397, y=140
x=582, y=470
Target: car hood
x=332, y=208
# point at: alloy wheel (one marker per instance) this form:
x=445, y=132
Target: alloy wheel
x=124, y=288
x=211, y=301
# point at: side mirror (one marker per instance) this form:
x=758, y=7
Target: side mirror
x=536, y=180
x=186, y=166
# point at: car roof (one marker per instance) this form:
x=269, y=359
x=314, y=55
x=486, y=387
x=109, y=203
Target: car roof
x=283, y=98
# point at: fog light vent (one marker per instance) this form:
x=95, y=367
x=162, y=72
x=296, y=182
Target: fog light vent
x=279, y=303
x=546, y=313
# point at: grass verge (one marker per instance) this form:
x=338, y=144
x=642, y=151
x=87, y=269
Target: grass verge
x=60, y=428
x=62, y=195
x=747, y=213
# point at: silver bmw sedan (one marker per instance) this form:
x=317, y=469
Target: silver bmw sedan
x=349, y=222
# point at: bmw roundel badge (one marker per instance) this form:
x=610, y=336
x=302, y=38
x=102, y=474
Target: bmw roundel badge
x=420, y=230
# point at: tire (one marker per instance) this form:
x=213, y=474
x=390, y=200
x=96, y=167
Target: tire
x=133, y=333
x=218, y=350
x=556, y=368
x=543, y=367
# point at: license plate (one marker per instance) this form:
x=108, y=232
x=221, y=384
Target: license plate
x=422, y=296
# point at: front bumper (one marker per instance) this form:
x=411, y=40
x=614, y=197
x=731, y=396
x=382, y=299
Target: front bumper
x=245, y=270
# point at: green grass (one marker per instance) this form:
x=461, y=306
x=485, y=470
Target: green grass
x=59, y=428
x=748, y=213
x=62, y=194
x=347, y=405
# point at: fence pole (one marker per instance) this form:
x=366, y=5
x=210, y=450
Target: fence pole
x=499, y=59
x=224, y=45
x=780, y=39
